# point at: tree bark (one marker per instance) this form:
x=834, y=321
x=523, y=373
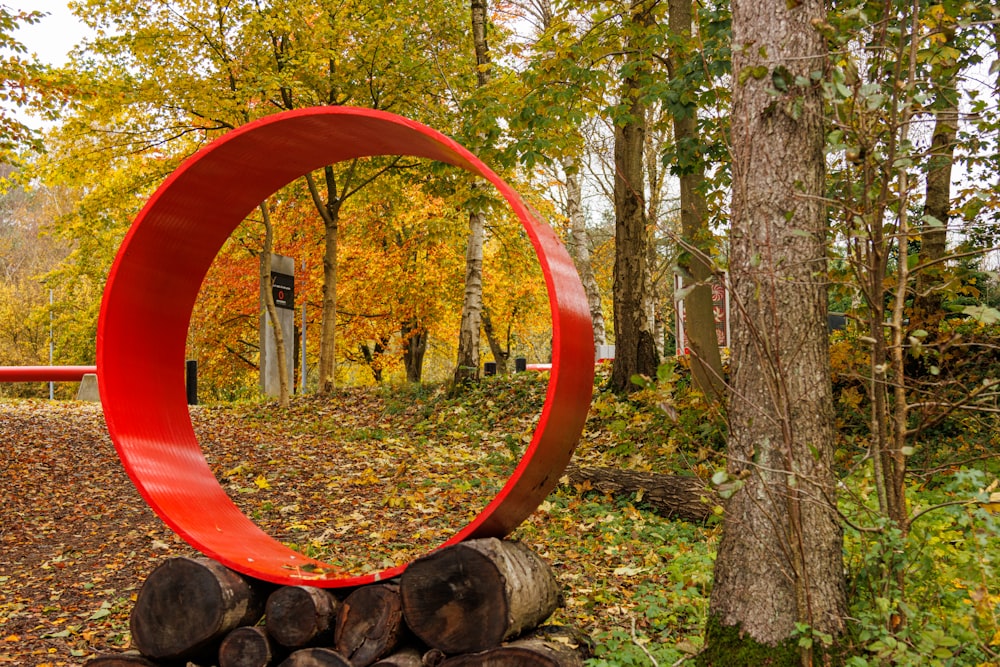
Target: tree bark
x=937, y=196
x=472, y=596
x=694, y=260
x=779, y=562
x=467, y=367
x=579, y=248
x=187, y=605
x=414, y=347
x=315, y=657
x=408, y=657
x=671, y=496
x=329, y=210
x=635, y=347
x=370, y=623
x=299, y=616
x=500, y=355
x=249, y=646
x=549, y=646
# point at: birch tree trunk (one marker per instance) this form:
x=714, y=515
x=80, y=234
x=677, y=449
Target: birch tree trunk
x=467, y=367
x=779, y=562
x=579, y=248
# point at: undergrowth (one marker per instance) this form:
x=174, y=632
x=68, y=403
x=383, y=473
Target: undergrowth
x=639, y=584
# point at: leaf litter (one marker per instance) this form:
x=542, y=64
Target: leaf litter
x=363, y=479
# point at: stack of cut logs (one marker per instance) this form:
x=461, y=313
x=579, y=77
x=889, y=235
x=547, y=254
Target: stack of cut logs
x=479, y=602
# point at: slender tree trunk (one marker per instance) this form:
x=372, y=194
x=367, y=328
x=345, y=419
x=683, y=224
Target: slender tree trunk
x=467, y=368
x=414, y=337
x=329, y=210
x=284, y=382
x=695, y=257
x=779, y=562
x=937, y=197
x=500, y=355
x=635, y=348
x=579, y=248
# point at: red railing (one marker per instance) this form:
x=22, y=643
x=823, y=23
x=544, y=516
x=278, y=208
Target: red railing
x=45, y=373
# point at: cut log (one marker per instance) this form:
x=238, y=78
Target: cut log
x=316, y=657
x=119, y=660
x=408, y=657
x=550, y=646
x=370, y=624
x=187, y=605
x=249, y=646
x=672, y=496
x=471, y=596
x=301, y=616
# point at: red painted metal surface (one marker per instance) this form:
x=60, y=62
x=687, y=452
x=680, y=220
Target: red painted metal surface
x=152, y=288
x=44, y=373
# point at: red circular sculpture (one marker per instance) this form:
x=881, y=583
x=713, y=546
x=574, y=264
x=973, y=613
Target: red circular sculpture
x=151, y=292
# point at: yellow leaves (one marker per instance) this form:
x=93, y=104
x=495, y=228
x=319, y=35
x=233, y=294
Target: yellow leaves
x=262, y=482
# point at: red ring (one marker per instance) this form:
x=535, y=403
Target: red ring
x=151, y=292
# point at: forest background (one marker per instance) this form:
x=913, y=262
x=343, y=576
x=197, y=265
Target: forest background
x=615, y=121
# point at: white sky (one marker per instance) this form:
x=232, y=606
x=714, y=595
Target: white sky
x=53, y=36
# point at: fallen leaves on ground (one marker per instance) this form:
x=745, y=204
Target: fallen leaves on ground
x=363, y=479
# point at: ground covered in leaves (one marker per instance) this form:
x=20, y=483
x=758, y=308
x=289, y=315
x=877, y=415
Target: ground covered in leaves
x=365, y=479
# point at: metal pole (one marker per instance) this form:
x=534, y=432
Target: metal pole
x=52, y=348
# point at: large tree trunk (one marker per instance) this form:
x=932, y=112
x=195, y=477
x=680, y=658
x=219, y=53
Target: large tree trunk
x=694, y=260
x=471, y=596
x=937, y=198
x=579, y=248
x=635, y=347
x=779, y=562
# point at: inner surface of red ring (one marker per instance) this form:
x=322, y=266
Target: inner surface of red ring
x=151, y=291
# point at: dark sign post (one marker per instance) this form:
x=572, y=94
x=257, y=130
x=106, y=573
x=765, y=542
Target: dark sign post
x=283, y=293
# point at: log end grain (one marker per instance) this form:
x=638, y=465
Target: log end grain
x=469, y=597
x=370, y=623
x=299, y=616
x=187, y=605
x=315, y=657
x=247, y=647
